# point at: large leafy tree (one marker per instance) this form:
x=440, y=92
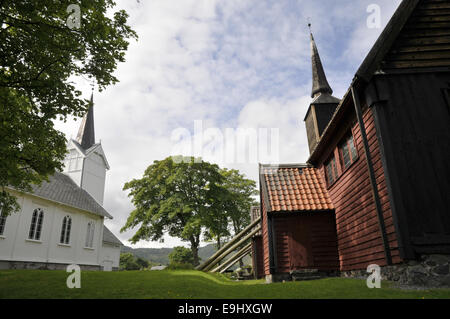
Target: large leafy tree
x=174, y=196
x=41, y=50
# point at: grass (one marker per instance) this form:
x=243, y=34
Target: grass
x=189, y=284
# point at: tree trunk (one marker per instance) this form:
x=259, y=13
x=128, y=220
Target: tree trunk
x=194, y=248
x=219, y=244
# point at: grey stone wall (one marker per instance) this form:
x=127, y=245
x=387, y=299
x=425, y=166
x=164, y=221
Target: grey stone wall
x=42, y=266
x=430, y=271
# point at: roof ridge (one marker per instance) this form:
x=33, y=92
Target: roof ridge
x=286, y=165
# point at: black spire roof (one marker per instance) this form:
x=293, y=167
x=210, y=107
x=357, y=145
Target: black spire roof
x=319, y=81
x=86, y=134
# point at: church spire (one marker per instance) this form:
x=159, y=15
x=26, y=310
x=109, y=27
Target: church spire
x=319, y=80
x=86, y=134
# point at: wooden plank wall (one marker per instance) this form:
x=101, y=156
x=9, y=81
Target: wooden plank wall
x=322, y=232
x=416, y=134
x=358, y=233
x=424, y=40
x=258, y=256
x=265, y=239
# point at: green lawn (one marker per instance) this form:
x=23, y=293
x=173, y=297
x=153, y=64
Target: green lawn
x=188, y=284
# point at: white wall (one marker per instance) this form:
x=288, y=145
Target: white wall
x=110, y=256
x=15, y=245
x=73, y=164
x=88, y=172
x=94, y=175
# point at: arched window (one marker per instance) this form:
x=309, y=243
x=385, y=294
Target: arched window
x=36, y=224
x=2, y=222
x=90, y=235
x=65, y=230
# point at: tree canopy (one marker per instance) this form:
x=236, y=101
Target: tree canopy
x=187, y=197
x=41, y=52
x=173, y=197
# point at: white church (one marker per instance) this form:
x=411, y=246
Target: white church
x=61, y=222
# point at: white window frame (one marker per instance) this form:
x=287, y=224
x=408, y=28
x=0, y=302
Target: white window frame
x=89, y=242
x=37, y=222
x=66, y=229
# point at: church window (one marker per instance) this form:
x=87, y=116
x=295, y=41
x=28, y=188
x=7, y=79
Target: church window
x=90, y=235
x=331, y=170
x=65, y=230
x=348, y=152
x=36, y=224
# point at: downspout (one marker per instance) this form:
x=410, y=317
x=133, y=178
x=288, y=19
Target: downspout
x=272, y=245
x=373, y=182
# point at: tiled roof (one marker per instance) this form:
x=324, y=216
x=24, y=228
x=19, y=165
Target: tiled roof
x=109, y=237
x=62, y=189
x=294, y=188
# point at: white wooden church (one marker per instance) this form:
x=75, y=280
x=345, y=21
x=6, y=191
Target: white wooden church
x=61, y=222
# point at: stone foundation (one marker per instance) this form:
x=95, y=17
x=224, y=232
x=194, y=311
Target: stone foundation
x=42, y=266
x=300, y=275
x=430, y=271
x=277, y=278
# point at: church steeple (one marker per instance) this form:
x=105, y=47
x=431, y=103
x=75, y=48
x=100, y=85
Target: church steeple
x=86, y=134
x=323, y=106
x=319, y=79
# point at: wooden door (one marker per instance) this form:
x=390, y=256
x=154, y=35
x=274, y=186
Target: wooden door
x=300, y=252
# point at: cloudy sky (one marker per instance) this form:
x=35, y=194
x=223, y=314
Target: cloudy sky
x=231, y=64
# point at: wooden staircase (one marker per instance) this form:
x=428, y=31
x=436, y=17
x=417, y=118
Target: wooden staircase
x=239, y=242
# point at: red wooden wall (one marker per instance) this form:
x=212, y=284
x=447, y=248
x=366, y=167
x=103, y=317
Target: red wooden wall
x=265, y=238
x=359, y=237
x=305, y=241
x=258, y=256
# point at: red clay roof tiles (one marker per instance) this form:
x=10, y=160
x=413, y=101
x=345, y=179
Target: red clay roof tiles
x=296, y=188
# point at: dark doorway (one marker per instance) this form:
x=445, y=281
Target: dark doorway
x=300, y=245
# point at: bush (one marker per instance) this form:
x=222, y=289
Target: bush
x=142, y=263
x=129, y=262
x=180, y=266
x=181, y=255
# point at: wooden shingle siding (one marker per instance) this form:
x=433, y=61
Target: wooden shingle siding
x=425, y=39
x=416, y=135
x=258, y=256
x=265, y=239
x=358, y=232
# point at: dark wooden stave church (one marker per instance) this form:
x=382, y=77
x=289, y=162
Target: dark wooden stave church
x=376, y=187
